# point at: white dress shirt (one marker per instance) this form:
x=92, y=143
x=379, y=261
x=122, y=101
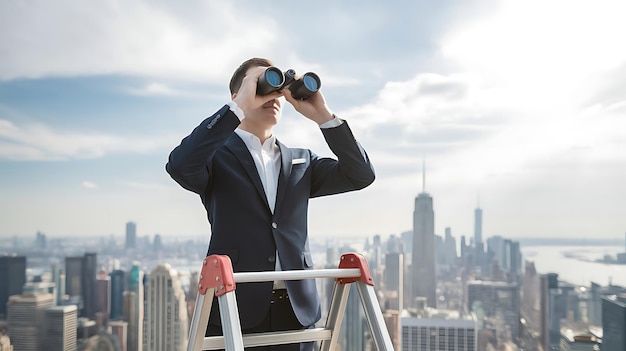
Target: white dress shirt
x=266, y=157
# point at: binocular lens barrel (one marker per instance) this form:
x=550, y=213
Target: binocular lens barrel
x=305, y=86
x=273, y=79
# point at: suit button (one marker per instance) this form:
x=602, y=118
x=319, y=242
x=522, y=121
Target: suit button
x=274, y=225
x=271, y=259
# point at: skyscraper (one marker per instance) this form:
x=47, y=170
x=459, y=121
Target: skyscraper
x=423, y=282
x=133, y=308
x=25, y=322
x=12, y=279
x=80, y=281
x=60, y=323
x=58, y=277
x=73, y=276
x=165, y=319
x=118, y=285
x=549, y=321
x=393, y=282
x=478, y=226
x=614, y=323
x=131, y=235
x=103, y=296
x=88, y=284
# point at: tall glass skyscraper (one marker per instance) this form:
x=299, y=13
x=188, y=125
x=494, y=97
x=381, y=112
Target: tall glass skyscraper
x=131, y=235
x=478, y=226
x=12, y=279
x=423, y=277
x=118, y=284
x=133, y=310
x=614, y=322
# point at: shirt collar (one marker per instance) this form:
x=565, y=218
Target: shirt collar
x=254, y=143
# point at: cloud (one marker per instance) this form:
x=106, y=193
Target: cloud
x=38, y=142
x=541, y=49
x=67, y=38
x=89, y=185
x=157, y=89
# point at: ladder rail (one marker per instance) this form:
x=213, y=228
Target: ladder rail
x=335, y=315
x=374, y=317
x=269, y=338
x=266, y=276
x=200, y=318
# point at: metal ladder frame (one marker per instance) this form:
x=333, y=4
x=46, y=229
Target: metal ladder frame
x=217, y=278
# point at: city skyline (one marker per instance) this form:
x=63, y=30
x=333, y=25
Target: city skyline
x=527, y=117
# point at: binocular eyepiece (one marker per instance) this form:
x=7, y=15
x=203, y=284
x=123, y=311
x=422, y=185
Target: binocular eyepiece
x=273, y=79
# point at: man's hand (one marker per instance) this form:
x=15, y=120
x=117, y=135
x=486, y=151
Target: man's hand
x=246, y=98
x=313, y=107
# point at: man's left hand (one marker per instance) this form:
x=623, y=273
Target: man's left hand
x=314, y=107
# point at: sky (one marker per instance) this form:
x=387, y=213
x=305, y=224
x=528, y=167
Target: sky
x=518, y=107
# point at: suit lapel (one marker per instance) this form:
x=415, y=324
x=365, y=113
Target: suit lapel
x=285, y=172
x=240, y=150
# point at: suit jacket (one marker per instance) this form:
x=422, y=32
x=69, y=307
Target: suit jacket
x=216, y=164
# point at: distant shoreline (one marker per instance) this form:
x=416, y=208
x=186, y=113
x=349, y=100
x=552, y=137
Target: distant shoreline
x=527, y=242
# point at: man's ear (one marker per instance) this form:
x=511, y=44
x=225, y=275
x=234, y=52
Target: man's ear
x=233, y=96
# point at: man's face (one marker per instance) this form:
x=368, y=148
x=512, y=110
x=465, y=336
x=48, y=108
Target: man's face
x=268, y=114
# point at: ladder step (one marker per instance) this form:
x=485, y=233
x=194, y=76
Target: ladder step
x=271, y=338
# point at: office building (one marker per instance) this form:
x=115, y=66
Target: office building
x=499, y=301
x=103, y=297
x=443, y=330
x=58, y=277
x=478, y=226
x=73, y=276
x=508, y=254
x=165, y=320
x=12, y=279
x=614, y=323
x=394, y=327
x=60, y=328
x=393, y=280
x=131, y=235
x=118, y=285
x=423, y=278
x=90, y=272
x=134, y=307
x=25, y=320
x=80, y=282
x=119, y=329
x=549, y=319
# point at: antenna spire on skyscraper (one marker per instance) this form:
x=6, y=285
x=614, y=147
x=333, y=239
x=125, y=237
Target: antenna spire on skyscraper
x=424, y=175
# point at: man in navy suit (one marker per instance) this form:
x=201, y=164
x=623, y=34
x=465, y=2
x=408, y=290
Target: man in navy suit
x=256, y=192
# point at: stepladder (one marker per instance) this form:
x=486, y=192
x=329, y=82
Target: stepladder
x=218, y=279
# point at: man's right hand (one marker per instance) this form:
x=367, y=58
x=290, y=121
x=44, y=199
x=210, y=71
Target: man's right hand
x=246, y=98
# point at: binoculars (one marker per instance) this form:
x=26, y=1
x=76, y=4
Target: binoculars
x=273, y=79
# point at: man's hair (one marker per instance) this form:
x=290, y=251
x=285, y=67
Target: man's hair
x=240, y=72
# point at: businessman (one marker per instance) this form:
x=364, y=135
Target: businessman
x=256, y=190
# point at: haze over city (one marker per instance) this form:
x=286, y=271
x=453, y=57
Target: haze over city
x=516, y=107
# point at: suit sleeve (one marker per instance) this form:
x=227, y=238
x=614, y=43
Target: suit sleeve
x=351, y=171
x=189, y=164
